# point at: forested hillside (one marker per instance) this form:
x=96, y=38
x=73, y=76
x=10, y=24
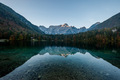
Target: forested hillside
x=14, y=26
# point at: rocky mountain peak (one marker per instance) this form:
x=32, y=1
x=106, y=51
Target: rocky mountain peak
x=65, y=25
x=97, y=23
x=93, y=26
x=62, y=29
x=83, y=27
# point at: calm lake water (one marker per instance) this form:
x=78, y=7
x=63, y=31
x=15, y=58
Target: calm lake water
x=33, y=61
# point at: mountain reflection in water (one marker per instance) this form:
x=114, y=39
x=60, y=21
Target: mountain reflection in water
x=67, y=63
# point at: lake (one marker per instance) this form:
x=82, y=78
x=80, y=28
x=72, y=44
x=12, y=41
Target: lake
x=38, y=61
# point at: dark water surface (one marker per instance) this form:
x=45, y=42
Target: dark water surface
x=35, y=61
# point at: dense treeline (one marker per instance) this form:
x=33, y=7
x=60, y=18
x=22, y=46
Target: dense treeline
x=102, y=37
x=107, y=36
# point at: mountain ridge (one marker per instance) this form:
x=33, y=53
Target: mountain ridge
x=14, y=22
x=113, y=21
x=93, y=26
x=62, y=29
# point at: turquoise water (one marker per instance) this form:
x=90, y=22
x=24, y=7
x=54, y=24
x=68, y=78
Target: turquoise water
x=39, y=62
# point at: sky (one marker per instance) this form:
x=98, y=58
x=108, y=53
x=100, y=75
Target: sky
x=76, y=13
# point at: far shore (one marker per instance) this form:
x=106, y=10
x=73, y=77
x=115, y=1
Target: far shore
x=4, y=40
